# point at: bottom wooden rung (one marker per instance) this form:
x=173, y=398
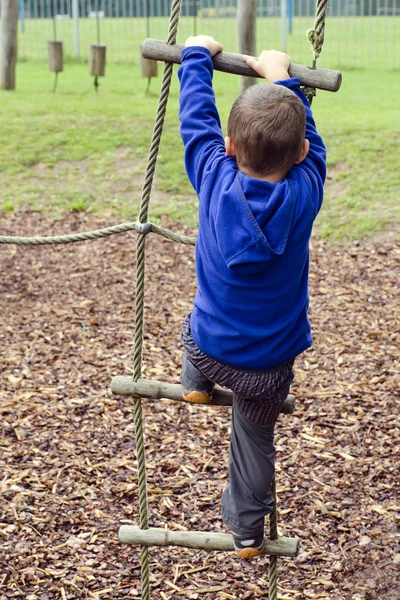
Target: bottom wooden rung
x=131, y=534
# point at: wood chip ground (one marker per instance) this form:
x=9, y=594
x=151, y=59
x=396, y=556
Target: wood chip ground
x=67, y=446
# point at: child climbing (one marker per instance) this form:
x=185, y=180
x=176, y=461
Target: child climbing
x=260, y=190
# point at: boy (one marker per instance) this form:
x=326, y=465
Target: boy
x=259, y=192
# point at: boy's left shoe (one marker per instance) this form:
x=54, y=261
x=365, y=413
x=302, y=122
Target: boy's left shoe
x=248, y=546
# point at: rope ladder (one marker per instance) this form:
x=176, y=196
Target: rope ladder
x=137, y=387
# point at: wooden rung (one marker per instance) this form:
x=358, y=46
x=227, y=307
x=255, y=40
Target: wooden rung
x=220, y=542
x=323, y=79
x=146, y=388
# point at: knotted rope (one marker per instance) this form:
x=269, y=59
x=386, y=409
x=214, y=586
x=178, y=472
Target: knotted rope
x=316, y=37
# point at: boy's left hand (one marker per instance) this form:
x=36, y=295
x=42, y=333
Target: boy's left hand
x=206, y=41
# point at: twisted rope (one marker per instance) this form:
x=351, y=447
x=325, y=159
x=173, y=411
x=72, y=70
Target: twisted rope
x=143, y=505
x=140, y=278
x=97, y=234
x=316, y=37
x=172, y=236
x=273, y=560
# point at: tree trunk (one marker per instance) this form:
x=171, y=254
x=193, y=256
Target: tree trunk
x=9, y=12
x=246, y=17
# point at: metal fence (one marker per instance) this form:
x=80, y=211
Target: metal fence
x=359, y=33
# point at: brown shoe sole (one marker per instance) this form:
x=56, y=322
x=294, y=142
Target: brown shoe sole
x=250, y=552
x=197, y=397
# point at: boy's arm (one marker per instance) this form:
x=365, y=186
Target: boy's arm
x=200, y=124
x=274, y=67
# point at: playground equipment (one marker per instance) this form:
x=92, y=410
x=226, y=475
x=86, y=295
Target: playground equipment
x=149, y=66
x=55, y=59
x=55, y=51
x=97, y=61
x=136, y=387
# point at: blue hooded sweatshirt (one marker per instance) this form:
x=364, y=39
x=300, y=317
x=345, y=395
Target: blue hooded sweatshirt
x=252, y=249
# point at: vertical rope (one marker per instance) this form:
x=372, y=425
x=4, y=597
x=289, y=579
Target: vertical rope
x=316, y=37
x=273, y=560
x=140, y=280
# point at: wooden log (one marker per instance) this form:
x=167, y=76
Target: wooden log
x=55, y=56
x=220, y=542
x=323, y=79
x=146, y=388
x=8, y=53
x=97, y=64
x=149, y=67
x=246, y=24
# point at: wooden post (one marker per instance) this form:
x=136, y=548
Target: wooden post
x=9, y=14
x=246, y=18
x=55, y=56
x=149, y=67
x=97, y=64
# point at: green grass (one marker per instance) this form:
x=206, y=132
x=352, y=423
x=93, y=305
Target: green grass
x=78, y=150
x=361, y=127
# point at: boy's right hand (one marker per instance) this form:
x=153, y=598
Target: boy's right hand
x=206, y=41
x=271, y=64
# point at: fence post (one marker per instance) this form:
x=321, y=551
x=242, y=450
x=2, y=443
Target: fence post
x=75, y=16
x=284, y=25
x=290, y=15
x=22, y=15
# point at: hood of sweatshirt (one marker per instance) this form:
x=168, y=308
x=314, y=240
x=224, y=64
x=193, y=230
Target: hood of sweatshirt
x=256, y=232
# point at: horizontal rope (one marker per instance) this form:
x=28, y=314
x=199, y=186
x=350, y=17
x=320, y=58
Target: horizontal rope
x=97, y=234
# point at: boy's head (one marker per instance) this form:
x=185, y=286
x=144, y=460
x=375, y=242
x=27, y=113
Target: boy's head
x=266, y=129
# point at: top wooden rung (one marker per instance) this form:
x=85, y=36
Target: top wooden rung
x=323, y=79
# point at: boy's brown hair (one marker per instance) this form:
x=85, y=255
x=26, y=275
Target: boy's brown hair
x=267, y=125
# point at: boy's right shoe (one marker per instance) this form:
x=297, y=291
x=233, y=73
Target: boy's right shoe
x=248, y=546
x=196, y=397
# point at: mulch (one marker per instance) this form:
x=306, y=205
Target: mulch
x=67, y=446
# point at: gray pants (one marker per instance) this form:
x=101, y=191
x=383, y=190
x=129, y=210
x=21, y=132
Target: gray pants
x=247, y=498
